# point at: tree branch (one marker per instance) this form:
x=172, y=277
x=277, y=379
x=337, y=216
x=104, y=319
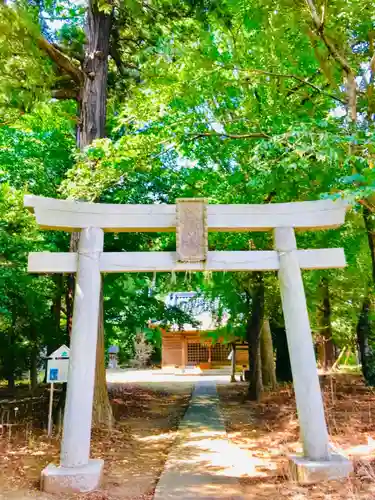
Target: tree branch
x=368, y=203
x=338, y=57
x=65, y=94
x=62, y=61
x=223, y=135
x=301, y=84
x=304, y=81
x=70, y=53
x=330, y=45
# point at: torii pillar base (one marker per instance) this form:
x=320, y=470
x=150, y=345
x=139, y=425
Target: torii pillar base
x=83, y=479
x=306, y=471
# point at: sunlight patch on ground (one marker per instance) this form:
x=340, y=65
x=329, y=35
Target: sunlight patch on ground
x=158, y=437
x=220, y=457
x=157, y=376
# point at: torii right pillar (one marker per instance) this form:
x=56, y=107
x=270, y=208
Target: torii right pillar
x=318, y=463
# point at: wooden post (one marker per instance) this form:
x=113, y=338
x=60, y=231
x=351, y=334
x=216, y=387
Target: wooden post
x=309, y=401
x=50, y=411
x=75, y=450
x=184, y=352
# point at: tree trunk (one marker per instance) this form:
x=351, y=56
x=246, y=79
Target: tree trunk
x=365, y=326
x=11, y=380
x=267, y=356
x=319, y=351
x=253, y=329
x=93, y=108
x=283, y=368
x=102, y=410
x=69, y=293
x=56, y=310
x=233, y=363
x=9, y=361
x=327, y=348
x=34, y=370
x=92, y=126
x=369, y=220
x=366, y=344
x=34, y=358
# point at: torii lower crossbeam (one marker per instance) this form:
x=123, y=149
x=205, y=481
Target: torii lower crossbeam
x=144, y=262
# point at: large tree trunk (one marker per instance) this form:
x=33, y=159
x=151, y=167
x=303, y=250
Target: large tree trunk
x=267, y=356
x=93, y=107
x=327, y=348
x=253, y=329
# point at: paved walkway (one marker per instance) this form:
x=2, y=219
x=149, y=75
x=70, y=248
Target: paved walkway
x=203, y=464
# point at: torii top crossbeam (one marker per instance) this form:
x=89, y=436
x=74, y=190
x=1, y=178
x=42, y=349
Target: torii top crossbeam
x=72, y=215
x=191, y=218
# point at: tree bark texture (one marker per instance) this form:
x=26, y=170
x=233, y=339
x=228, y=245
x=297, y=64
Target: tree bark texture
x=95, y=67
x=366, y=341
x=102, y=411
x=365, y=326
x=34, y=355
x=267, y=356
x=253, y=329
x=283, y=368
x=369, y=220
x=327, y=348
x=9, y=362
x=56, y=309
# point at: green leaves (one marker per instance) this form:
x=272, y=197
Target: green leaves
x=36, y=150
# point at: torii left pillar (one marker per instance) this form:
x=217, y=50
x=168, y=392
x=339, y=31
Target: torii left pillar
x=77, y=472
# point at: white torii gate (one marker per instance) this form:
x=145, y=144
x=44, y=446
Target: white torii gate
x=191, y=219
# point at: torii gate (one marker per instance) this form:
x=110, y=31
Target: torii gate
x=191, y=219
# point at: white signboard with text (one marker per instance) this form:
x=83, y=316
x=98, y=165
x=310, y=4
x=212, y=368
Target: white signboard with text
x=58, y=365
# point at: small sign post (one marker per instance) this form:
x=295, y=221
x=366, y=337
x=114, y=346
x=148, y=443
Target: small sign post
x=57, y=373
x=113, y=356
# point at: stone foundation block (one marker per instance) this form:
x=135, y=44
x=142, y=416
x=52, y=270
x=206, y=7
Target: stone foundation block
x=57, y=479
x=306, y=471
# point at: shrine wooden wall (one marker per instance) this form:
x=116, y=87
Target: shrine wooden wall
x=175, y=351
x=172, y=350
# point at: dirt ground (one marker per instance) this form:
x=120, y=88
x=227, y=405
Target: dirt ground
x=134, y=451
x=268, y=432
x=147, y=415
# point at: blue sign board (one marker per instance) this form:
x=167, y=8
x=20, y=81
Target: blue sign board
x=54, y=374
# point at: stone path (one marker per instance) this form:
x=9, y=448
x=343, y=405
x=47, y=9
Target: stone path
x=203, y=464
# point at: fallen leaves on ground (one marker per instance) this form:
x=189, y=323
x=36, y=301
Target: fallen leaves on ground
x=269, y=432
x=134, y=451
